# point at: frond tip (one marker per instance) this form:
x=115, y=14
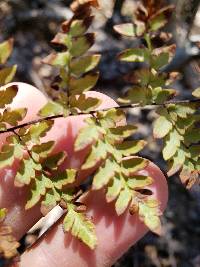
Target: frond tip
x=80, y=226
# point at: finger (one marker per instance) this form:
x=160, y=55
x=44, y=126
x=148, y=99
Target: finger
x=11, y=197
x=115, y=234
x=63, y=133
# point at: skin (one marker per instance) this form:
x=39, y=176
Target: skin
x=115, y=234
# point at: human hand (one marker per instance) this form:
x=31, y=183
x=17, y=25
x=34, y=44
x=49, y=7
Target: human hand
x=56, y=248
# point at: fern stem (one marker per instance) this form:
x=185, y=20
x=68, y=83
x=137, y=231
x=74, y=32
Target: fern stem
x=153, y=105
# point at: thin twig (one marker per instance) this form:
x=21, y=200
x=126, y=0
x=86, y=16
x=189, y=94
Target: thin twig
x=11, y=129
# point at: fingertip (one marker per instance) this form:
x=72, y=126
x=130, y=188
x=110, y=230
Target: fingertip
x=115, y=233
x=159, y=186
x=28, y=97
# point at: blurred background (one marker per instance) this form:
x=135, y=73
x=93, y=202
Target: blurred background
x=33, y=23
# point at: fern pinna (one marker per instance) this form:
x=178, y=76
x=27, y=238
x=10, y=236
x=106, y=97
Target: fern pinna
x=177, y=122
x=112, y=159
